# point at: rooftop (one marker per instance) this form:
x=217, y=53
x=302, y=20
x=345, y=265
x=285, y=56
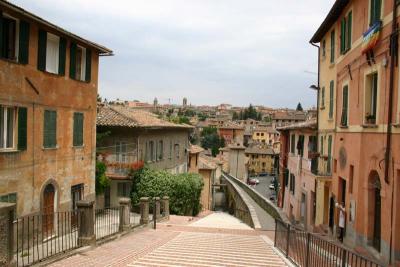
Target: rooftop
x=310, y=124
x=194, y=149
x=125, y=117
x=298, y=115
x=259, y=149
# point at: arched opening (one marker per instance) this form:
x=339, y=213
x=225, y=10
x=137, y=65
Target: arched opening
x=49, y=193
x=374, y=210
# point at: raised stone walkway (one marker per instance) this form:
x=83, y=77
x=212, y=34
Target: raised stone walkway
x=185, y=241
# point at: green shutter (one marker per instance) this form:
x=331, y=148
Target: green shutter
x=345, y=105
x=88, y=65
x=42, y=43
x=72, y=59
x=50, y=129
x=322, y=145
x=374, y=94
x=61, y=56
x=22, y=128
x=331, y=87
x=328, y=166
x=78, y=129
x=333, y=46
x=343, y=35
x=375, y=11
x=349, y=26
x=23, y=56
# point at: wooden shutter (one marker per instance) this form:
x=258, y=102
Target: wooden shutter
x=88, y=72
x=50, y=129
x=78, y=129
x=331, y=87
x=72, y=60
x=62, y=55
x=343, y=35
x=22, y=128
x=345, y=105
x=42, y=43
x=23, y=54
x=349, y=26
x=323, y=97
x=328, y=167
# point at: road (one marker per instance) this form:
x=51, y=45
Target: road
x=263, y=186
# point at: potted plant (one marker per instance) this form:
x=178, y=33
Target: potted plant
x=370, y=118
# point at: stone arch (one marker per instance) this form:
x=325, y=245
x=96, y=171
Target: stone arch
x=374, y=217
x=50, y=182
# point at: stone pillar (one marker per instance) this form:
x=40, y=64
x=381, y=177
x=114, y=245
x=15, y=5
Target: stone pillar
x=144, y=210
x=86, y=226
x=165, y=206
x=157, y=207
x=124, y=214
x=6, y=234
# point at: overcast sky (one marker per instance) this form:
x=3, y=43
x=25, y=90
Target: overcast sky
x=210, y=51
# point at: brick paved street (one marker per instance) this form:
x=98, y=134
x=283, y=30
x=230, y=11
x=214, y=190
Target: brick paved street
x=181, y=242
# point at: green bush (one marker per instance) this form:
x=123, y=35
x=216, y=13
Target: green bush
x=101, y=178
x=183, y=189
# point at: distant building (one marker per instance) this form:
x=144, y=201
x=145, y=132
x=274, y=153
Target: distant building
x=282, y=118
x=136, y=137
x=231, y=133
x=48, y=95
x=261, y=159
x=184, y=104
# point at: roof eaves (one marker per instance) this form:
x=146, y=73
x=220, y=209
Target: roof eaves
x=330, y=19
x=104, y=51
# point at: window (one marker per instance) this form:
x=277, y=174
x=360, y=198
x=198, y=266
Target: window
x=78, y=129
x=345, y=33
x=345, y=105
x=292, y=183
x=323, y=97
x=371, y=98
x=120, y=152
x=151, y=154
x=124, y=189
x=14, y=40
x=51, y=53
x=9, y=198
x=328, y=165
x=50, y=129
x=80, y=64
x=323, y=48
x=333, y=46
x=286, y=175
x=7, y=127
x=160, y=150
x=292, y=144
x=76, y=195
x=177, y=152
x=375, y=11
x=300, y=145
x=351, y=175
x=331, y=88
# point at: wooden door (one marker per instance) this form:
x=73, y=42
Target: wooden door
x=48, y=210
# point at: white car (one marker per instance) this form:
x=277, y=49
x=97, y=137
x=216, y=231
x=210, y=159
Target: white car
x=272, y=187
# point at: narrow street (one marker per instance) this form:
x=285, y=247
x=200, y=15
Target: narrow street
x=217, y=239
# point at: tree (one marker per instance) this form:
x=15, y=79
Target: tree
x=211, y=140
x=299, y=107
x=235, y=116
x=102, y=180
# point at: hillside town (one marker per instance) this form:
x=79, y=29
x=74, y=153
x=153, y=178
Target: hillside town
x=86, y=179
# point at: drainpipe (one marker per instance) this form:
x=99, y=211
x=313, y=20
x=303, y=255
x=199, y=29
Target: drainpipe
x=393, y=56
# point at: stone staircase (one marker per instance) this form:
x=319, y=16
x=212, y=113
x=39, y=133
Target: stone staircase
x=210, y=249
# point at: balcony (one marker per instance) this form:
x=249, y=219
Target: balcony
x=120, y=165
x=322, y=166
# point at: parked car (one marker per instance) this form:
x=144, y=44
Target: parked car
x=272, y=186
x=253, y=181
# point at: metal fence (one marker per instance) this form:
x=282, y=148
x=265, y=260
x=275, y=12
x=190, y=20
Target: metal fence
x=306, y=249
x=37, y=237
x=106, y=222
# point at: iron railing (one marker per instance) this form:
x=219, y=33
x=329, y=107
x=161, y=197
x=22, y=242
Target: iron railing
x=307, y=249
x=106, y=222
x=38, y=237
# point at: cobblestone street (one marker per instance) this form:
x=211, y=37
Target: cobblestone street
x=185, y=241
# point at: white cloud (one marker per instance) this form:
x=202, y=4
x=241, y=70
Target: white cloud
x=211, y=51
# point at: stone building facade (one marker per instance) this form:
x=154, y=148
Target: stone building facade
x=133, y=138
x=48, y=90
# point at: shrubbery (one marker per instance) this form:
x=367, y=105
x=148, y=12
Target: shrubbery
x=183, y=189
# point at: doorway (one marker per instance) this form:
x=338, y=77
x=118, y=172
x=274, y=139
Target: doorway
x=48, y=209
x=374, y=210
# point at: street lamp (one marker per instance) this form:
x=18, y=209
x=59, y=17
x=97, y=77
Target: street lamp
x=314, y=87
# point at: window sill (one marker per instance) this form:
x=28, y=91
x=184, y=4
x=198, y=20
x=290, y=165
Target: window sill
x=344, y=126
x=78, y=147
x=331, y=65
x=13, y=150
x=81, y=81
x=12, y=61
x=369, y=126
x=50, y=148
x=52, y=74
x=396, y=125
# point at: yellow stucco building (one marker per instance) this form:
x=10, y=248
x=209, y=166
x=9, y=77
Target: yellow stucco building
x=261, y=159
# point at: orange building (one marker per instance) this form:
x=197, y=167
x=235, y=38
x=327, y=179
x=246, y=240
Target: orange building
x=355, y=42
x=48, y=93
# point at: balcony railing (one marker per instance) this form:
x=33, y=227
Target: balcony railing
x=321, y=165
